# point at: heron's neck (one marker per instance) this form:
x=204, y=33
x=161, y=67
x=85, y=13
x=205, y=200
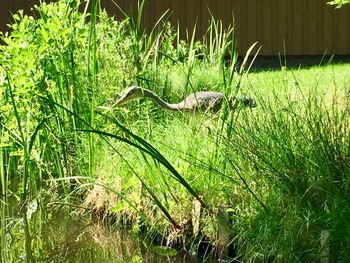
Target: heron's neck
x=150, y=94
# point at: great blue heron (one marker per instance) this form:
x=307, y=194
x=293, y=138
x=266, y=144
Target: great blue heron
x=202, y=100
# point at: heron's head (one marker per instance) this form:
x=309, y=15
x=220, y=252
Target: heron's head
x=248, y=101
x=130, y=93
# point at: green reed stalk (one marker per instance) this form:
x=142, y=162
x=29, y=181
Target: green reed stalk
x=92, y=73
x=23, y=140
x=3, y=229
x=3, y=181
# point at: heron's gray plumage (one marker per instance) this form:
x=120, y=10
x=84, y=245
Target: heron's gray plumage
x=202, y=100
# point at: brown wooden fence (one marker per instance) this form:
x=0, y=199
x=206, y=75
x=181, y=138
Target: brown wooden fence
x=292, y=27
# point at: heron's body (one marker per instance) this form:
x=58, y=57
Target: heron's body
x=202, y=100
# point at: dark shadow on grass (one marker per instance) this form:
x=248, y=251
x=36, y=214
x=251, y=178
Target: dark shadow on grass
x=271, y=63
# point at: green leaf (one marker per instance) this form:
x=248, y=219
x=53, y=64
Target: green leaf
x=129, y=183
x=119, y=207
x=44, y=34
x=16, y=17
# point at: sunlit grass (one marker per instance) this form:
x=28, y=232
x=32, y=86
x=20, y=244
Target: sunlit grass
x=269, y=167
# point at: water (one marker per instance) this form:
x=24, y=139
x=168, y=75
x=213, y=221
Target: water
x=46, y=232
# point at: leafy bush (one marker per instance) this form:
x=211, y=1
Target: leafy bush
x=39, y=62
x=339, y=3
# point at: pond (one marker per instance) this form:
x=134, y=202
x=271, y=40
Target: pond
x=54, y=232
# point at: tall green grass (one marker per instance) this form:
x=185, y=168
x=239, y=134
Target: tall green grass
x=296, y=157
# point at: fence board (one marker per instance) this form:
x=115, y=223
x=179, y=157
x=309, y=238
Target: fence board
x=243, y=38
x=236, y=9
x=312, y=23
x=267, y=28
x=343, y=32
x=289, y=25
x=191, y=17
x=281, y=26
x=296, y=28
x=327, y=30
x=4, y=16
x=320, y=31
x=347, y=51
x=259, y=22
x=251, y=19
x=307, y=27
x=335, y=32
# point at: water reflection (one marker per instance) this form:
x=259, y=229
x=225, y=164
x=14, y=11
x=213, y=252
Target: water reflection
x=42, y=233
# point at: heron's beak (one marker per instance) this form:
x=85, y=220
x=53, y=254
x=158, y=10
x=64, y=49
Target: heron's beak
x=123, y=99
x=120, y=101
